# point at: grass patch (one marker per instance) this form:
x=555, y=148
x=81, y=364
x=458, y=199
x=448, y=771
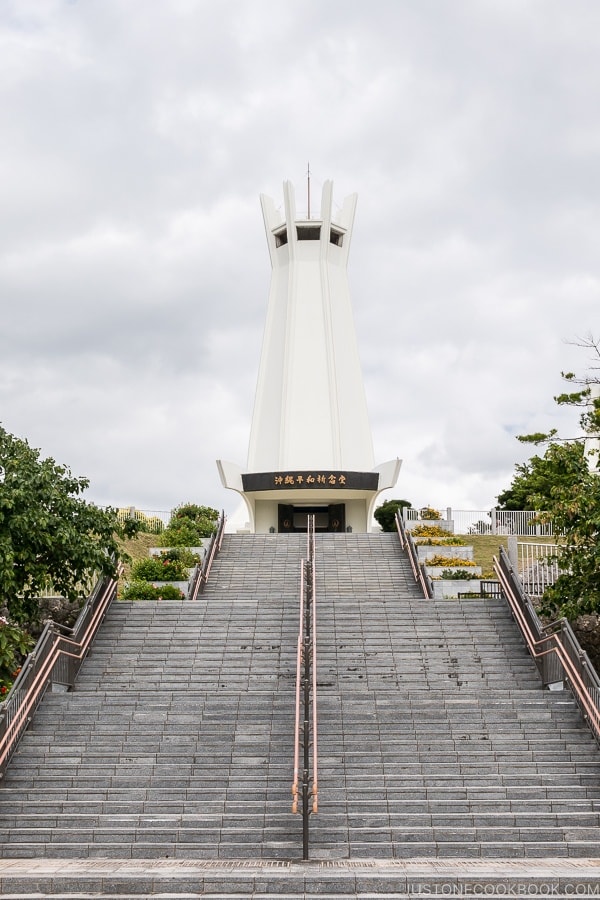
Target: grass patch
x=135, y=548
x=486, y=546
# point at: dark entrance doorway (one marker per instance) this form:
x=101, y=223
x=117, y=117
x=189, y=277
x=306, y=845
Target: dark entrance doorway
x=327, y=518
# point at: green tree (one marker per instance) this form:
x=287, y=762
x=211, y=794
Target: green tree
x=15, y=644
x=575, y=512
x=565, y=486
x=386, y=513
x=49, y=535
x=535, y=482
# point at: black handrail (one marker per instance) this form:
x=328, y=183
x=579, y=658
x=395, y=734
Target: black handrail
x=55, y=659
x=554, y=647
x=407, y=543
x=201, y=573
x=306, y=690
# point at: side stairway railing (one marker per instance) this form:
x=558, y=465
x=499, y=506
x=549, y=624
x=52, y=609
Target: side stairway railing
x=55, y=660
x=201, y=573
x=554, y=647
x=407, y=543
x=306, y=719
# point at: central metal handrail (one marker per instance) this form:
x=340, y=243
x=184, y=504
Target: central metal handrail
x=299, y=655
x=306, y=717
x=315, y=742
x=554, y=647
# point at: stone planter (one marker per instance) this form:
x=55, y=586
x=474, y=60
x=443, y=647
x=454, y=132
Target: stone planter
x=436, y=571
x=200, y=551
x=444, y=524
x=450, y=588
x=426, y=551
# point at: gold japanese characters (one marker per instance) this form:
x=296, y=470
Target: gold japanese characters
x=330, y=479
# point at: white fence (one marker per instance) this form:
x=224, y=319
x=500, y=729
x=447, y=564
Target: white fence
x=481, y=521
x=153, y=520
x=84, y=588
x=537, y=566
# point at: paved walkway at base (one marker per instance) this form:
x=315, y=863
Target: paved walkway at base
x=280, y=878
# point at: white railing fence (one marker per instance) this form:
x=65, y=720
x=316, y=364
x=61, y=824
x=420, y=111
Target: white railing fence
x=84, y=588
x=481, y=521
x=153, y=520
x=537, y=566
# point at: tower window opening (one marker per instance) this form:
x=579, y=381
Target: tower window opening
x=281, y=237
x=308, y=232
x=336, y=237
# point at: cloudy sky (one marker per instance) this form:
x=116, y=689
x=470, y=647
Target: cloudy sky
x=136, y=137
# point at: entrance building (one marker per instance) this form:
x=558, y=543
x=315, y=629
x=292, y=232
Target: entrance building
x=310, y=444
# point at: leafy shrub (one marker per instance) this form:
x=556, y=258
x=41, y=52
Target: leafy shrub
x=169, y=592
x=439, y=560
x=143, y=590
x=428, y=531
x=457, y=575
x=194, y=512
x=183, y=555
x=189, y=524
x=139, y=590
x=429, y=513
x=451, y=541
x=157, y=568
x=386, y=513
x=183, y=534
x=15, y=644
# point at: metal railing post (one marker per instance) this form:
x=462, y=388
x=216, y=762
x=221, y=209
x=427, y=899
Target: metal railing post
x=306, y=687
x=307, y=682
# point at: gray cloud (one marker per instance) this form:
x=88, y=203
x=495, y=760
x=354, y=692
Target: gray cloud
x=133, y=267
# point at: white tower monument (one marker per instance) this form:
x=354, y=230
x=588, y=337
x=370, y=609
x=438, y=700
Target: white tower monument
x=310, y=442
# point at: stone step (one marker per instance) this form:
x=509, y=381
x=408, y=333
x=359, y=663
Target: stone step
x=407, y=754
x=405, y=822
x=435, y=737
x=391, y=768
x=409, y=814
x=288, y=850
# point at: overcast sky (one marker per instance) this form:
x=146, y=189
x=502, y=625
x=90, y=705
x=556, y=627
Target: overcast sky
x=136, y=137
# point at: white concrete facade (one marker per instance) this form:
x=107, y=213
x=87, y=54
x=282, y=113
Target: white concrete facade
x=310, y=430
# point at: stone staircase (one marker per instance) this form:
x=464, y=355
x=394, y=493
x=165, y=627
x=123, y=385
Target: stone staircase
x=435, y=735
x=168, y=769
